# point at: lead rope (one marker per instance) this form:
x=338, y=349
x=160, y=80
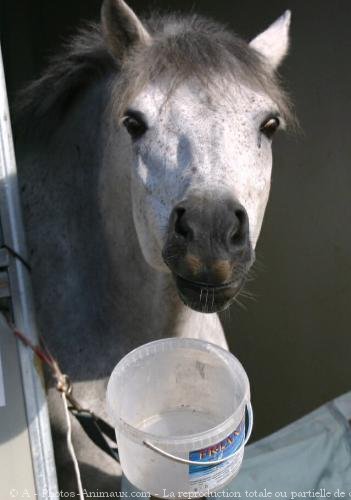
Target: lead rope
x=95, y=428
x=64, y=386
x=71, y=447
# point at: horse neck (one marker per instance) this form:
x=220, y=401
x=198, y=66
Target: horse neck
x=59, y=164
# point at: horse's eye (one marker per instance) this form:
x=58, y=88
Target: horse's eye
x=135, y=124
x=269, y=126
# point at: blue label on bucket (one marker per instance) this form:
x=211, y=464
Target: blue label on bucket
x=215, y=452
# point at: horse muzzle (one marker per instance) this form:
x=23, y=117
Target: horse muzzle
x=208, y=250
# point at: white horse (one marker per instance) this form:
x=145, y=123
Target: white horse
x=145, y=164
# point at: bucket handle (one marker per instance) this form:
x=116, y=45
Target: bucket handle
x=155, y=448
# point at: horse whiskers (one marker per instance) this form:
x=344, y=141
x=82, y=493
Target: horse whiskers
x=226, y=314
x=240, y=304
x=206, y=298
x=250, y=279
x=258, y=266
x=201, y=292
x=253, y=299
x=203, y=306
x=247, y=295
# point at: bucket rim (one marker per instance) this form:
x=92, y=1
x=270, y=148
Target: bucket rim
x=202, y=437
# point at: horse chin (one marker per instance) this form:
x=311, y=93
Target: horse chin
x=206, y=298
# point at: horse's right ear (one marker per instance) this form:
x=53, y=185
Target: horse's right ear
x=121, y=28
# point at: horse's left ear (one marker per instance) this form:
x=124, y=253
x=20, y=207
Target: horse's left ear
x=122, y=29
x=273, y=43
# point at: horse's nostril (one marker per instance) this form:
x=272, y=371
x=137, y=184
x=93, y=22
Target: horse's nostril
x=180, y=227
x=241, y=216
x=238, y=234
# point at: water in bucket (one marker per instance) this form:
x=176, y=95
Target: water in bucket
x=178, y=406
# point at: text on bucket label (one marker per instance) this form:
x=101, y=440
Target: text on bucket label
x=212, y=476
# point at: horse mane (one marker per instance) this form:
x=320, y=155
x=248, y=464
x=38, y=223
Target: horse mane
x=83, y=59
x=183, y=47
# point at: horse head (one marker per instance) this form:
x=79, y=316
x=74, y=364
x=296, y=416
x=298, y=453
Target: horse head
x=200, y=107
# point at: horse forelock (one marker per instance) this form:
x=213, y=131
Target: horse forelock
x=181, y=48
x=195, y=47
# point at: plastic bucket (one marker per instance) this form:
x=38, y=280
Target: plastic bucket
x=182, y=413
